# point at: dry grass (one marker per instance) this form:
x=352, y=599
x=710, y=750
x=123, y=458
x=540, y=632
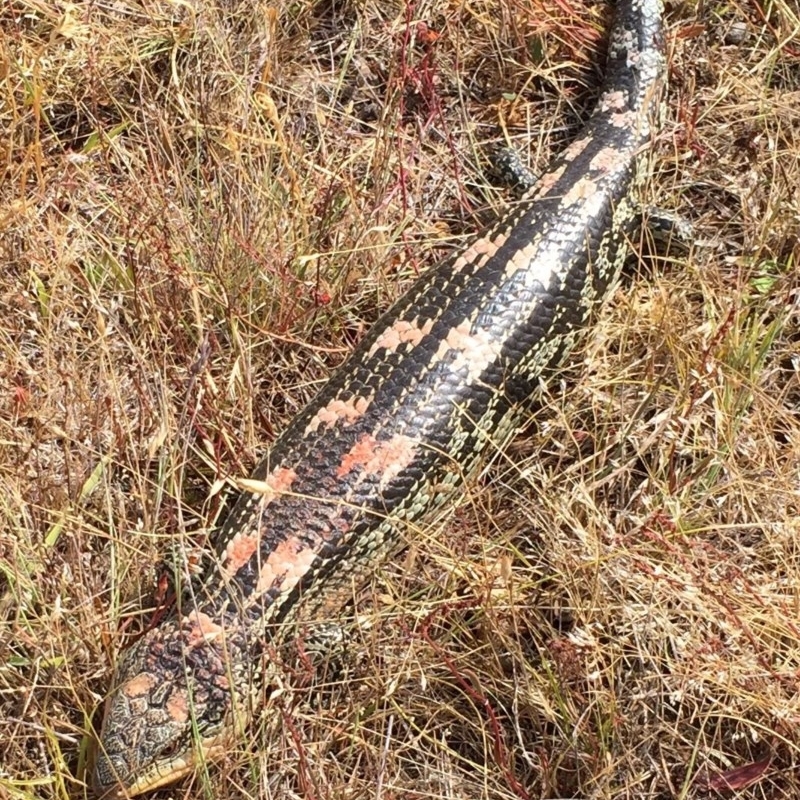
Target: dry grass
x=205, y=204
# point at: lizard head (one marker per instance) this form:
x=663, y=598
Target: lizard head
x=169, y=706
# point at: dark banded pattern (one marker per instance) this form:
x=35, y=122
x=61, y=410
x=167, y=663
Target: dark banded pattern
x=406, y=418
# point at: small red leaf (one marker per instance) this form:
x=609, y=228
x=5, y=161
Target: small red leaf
x=739, y=777
x=691, y=31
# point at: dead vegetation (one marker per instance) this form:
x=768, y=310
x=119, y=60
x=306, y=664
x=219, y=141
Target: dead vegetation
x=204, y=204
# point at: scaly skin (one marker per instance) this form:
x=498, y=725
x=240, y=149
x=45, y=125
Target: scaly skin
x=402, y=423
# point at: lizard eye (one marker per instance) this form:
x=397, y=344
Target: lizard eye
x=172, y=748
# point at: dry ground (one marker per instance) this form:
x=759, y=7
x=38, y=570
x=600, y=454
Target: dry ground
x=206, y=202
